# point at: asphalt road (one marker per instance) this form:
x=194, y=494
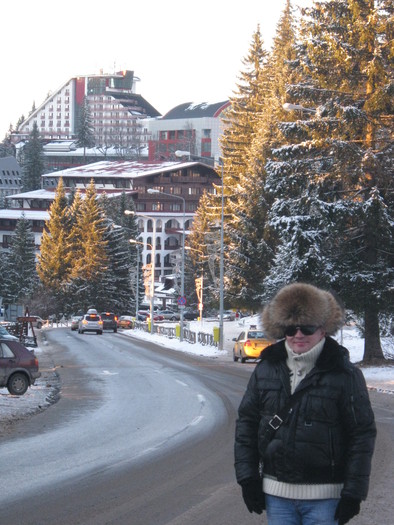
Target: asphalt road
x=94, y=458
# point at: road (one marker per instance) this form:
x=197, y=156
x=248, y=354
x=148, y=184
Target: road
x=144, y=436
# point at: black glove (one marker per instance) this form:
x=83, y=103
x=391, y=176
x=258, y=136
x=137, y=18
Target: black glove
x=253, y=495
x=347, y=508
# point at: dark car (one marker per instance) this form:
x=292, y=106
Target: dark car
x=110, y=321
x=190, y=315
x=18, y=367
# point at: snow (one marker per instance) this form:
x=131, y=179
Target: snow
x=43, y=393
x=381, y=378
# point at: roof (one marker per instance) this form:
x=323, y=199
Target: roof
x=31, y=215
x=190, y=110
x=122, y=169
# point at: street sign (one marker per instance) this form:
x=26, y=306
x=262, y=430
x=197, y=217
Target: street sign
x=181, y=301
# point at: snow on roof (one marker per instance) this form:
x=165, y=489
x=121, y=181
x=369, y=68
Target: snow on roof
x=120, y=169
x=31, y=215
x=34, y=194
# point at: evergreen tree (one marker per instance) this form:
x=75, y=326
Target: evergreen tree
x=89, y=258
x=85, y=132
x=322, y=181
x=203, y=256
x=54, y=259
x=7, y=149
x=33, y=161
x=116, y=280
x=20, y=279
x=251, y=241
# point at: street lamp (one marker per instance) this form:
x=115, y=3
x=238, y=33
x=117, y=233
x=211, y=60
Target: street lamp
x=153, y=257
x=151, y=190
x=221, y=266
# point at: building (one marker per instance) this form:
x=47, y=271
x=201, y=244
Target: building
x=194, y=129
x=117, y=112
x=10, y=177
x=182, y=183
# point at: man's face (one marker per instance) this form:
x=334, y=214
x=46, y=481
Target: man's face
x=301, y=343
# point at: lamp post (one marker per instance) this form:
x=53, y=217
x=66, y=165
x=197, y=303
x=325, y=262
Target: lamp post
x=153, y=257
x=221, y=266
x=151, y=190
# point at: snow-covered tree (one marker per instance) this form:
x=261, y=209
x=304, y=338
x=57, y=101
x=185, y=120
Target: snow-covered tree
x=20, y=279
x=85, y=130
x=337, y=165
x=33, y=161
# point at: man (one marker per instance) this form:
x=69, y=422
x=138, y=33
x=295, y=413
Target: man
x=306, y=432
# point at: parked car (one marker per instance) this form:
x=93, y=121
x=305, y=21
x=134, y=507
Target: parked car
x=5, y=334
x=169, y=315
x=249, y=344
x=190, y=315
x=110, y=321
x=38, y=322
x=18, y=367
x=144, y=315
x=75, y=321
x=228, y=315
x=90, y=323
x=125, y=321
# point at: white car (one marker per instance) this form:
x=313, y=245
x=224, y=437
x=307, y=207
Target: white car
x=169, y=315
x=90, y=323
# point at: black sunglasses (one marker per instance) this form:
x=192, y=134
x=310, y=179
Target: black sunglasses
x=305, y=329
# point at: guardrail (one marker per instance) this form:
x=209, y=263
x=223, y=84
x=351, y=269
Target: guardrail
x=170, y=331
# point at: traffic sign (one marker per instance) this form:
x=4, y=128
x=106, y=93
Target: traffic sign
x=181, y=301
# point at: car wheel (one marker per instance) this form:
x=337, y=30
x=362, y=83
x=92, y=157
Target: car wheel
x=115, y=330
x=100, y=332
x=243, y=359
x=39, y=325
x=235, y=358
x=17, y=384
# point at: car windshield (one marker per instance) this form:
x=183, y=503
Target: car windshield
x=256, y=335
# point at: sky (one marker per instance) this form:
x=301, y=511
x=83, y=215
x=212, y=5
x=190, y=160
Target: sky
x=181, y=51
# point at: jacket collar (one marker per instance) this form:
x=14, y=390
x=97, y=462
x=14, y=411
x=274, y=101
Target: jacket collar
x=332, y=356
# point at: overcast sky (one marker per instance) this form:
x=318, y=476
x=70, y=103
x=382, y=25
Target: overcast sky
x=183, y=51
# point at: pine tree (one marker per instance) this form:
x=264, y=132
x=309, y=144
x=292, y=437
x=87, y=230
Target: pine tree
x=33, y=161
x=21, y=279
x=85, y=131
x=88, y=250
x=251, y=241
x=322, y=181
x=54, y=259
x=116, y=280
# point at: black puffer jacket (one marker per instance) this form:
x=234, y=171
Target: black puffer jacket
x=329, y=436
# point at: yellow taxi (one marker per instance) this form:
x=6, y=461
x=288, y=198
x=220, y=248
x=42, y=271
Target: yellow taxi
x=249, y=344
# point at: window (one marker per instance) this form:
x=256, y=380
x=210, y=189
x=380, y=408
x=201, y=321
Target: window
x=206, y=133
x=157, y=206
x=140, y=206
x=5, y=351
x=194, y=191
x=175, y=207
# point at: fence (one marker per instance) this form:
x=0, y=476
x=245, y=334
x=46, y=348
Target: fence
x=170, y=332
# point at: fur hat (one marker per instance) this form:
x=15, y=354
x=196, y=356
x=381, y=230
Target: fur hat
x=302, y=304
